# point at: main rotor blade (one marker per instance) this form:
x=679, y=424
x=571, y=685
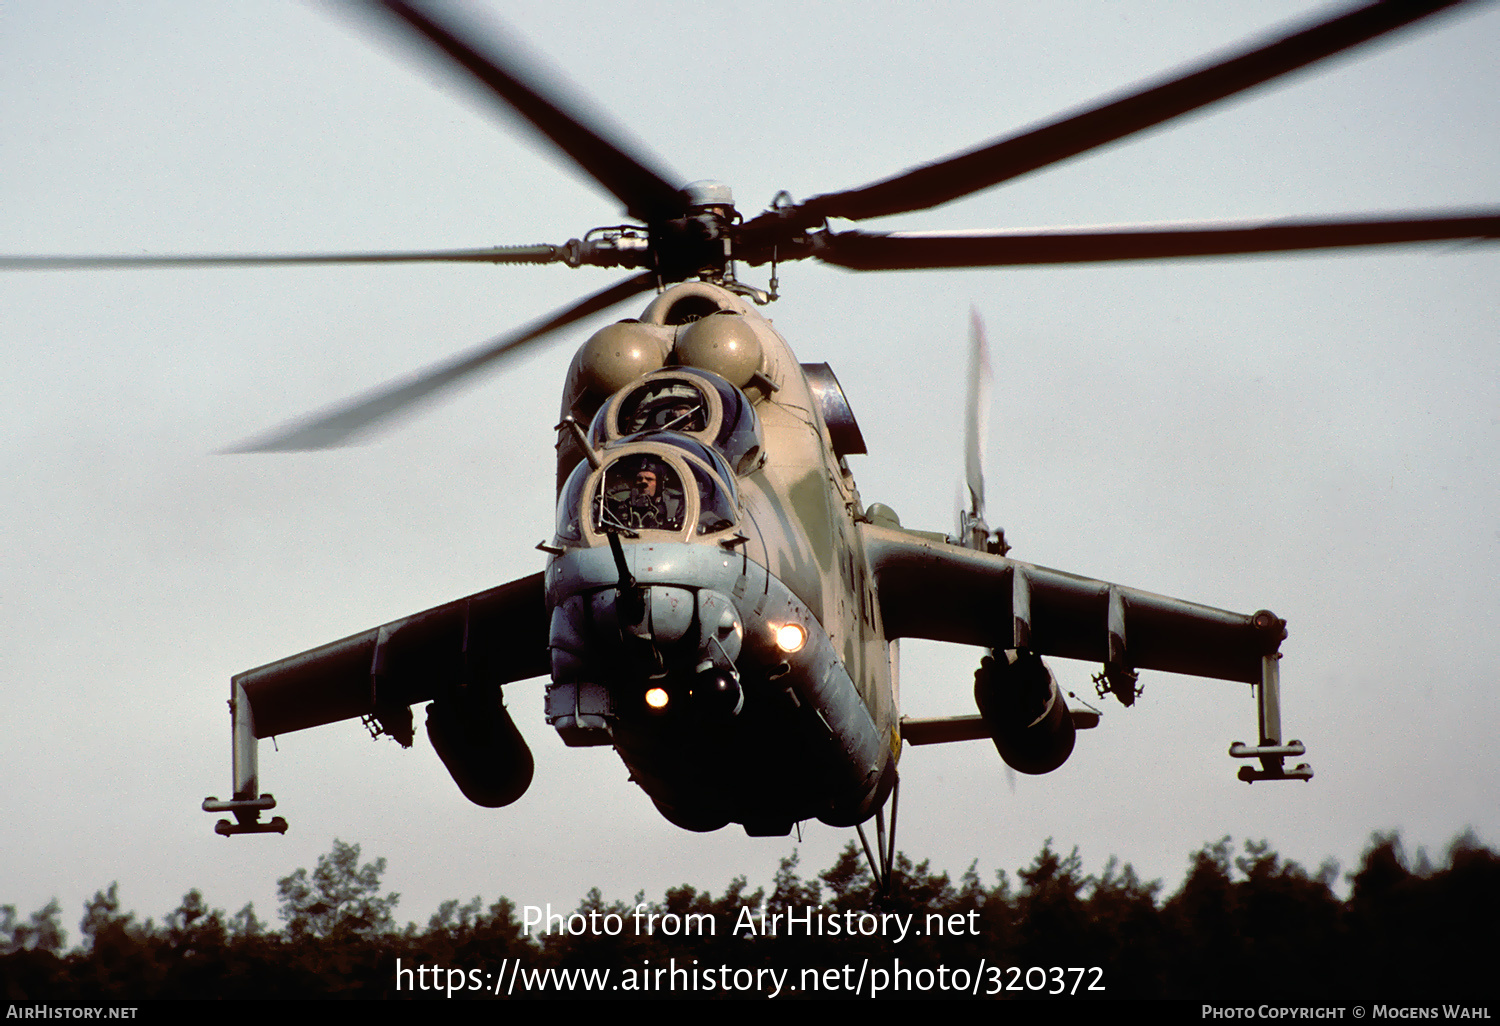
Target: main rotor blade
x=539, y=254
x=890, y=251
x=340, y=425
x=945, y=180
x=646, y=192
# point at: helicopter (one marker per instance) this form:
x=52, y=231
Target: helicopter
x=685, y=251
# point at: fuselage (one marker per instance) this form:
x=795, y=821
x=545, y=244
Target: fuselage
x=724, y=638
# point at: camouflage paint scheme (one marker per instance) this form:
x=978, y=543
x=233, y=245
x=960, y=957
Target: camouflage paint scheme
x=750, y=731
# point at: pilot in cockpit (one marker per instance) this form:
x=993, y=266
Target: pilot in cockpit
x=646, y=500
x=673, y=406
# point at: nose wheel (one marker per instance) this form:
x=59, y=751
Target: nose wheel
x=883, y=859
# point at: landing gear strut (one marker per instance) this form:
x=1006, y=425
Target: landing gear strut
x=882, y=866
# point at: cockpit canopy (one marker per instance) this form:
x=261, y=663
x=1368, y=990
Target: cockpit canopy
x=639, y=493
x=687, y=401
x=657, y=481
x=663, y=405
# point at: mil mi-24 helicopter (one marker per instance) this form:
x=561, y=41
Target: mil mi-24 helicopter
x=847, y=574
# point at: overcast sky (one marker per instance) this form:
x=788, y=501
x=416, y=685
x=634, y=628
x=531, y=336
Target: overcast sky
x=1317, y=435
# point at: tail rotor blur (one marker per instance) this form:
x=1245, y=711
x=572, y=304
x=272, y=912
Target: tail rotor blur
x=973, y=530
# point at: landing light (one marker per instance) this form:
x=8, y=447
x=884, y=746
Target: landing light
x=657, y=698
x=790, y=637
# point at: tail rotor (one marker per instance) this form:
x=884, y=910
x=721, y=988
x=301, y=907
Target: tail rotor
x=973, y=530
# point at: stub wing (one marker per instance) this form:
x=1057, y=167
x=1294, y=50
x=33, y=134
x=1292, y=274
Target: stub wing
x=948, y=593
x=944, y=592
x=489, y=638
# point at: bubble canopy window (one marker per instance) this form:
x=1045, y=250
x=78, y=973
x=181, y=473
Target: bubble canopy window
x=689, y=401
x=661, y=484
x=639, y=493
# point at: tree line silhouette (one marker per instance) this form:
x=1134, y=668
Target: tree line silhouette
x=1246, y=925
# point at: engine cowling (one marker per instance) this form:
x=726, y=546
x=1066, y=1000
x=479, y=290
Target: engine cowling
x=479, y=743
x=1024, y=711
